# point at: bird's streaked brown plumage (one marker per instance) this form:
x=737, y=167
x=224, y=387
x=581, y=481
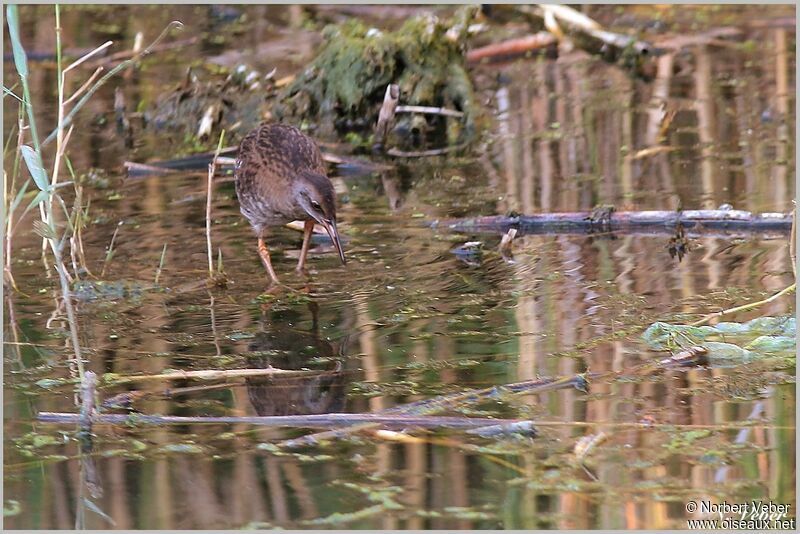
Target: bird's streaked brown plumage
x=280, y=177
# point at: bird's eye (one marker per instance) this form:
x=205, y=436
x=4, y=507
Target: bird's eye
x=315, y=205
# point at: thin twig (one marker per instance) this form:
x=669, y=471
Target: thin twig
x=745, y=307
x=215, y=374
x=793, y=242
x=110, y=252
x=439, y=404
x=428, y=110
x=87, y=56
x=212, y=167
x=127, y=54
x=81, y=213
x=83, y=87
x=424, y=153
x=309, y=421
x=160, y=264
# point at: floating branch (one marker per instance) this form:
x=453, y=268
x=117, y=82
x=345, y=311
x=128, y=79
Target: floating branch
x=428, y=110
x=307, y=421
x=410, y=415
x=440, y=404
x=213, y=374
x=656, y=221
x=693, y=357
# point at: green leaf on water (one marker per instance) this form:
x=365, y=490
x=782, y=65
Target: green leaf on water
x=35, y=166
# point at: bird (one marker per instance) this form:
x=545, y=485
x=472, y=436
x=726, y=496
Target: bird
x=280, y=177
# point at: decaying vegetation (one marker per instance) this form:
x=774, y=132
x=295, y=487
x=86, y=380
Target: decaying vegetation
x=343, y=88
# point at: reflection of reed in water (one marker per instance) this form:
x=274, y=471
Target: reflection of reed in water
x=286, y=348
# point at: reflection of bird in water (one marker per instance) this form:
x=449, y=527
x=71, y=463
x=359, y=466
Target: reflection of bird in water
x=286, y=348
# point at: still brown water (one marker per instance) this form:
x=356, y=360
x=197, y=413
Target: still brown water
x=407, y=319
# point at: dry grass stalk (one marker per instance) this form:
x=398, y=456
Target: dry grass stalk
x=212, y=167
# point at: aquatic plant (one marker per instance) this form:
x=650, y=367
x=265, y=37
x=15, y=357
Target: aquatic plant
x=344, y=86
x=56, y=233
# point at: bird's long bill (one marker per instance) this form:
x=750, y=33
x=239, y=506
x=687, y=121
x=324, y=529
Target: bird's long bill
x=330, y=227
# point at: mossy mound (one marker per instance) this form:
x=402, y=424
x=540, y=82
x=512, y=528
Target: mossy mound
x=341, y=91
x=343, y=88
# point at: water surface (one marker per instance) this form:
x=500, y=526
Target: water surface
x=408, y=319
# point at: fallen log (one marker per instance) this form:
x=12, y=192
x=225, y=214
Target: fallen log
x=653, y=221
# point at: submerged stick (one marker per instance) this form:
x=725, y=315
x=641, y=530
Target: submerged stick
x=527, y=387
x=443, y=403
x=310, y=421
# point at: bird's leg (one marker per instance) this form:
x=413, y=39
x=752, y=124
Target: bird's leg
x=264, y=253
x=308, y=229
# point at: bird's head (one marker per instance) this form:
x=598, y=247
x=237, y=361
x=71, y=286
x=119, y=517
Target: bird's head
x=314, y=192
